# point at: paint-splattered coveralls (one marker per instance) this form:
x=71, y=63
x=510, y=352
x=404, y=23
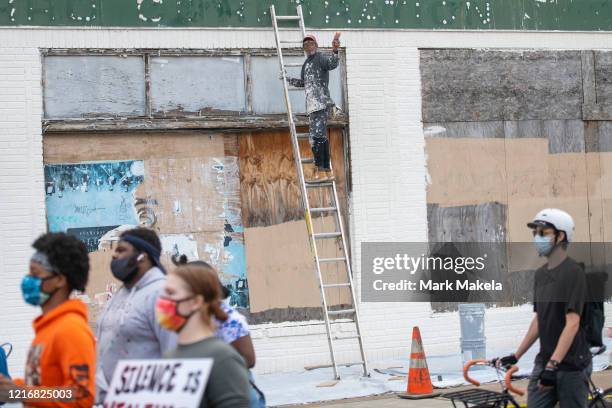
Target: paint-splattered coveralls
x=315, y=81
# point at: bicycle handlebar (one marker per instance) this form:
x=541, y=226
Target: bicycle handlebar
x=507, y=378
x=508, y=381
x=469, y=364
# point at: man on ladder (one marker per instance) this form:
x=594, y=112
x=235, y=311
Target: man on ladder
x=315, y=80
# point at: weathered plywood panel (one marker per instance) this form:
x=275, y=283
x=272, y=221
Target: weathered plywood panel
x=190, y=190
x=75, y=147
x=603, y=76
x=527, y=170
x=81, y=86
x=269, y=188
x=180, y=173
x=567, y=176
x=192, y=185
x=588, y=77
x=281, y=271
x=564, y=136
x=482, y=85
x=197, y=84
x=484, y=222
x=604, y=136
x=268, y=94
x=480, y=225
x=521, y=129
x=455, y=180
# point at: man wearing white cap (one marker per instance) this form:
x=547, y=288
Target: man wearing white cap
x=563, y=365
x=315, y=80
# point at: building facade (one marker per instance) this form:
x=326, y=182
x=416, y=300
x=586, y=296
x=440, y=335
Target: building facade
x=459, y=121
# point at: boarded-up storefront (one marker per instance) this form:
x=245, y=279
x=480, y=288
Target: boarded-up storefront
x=509, y=133
x=193, y=147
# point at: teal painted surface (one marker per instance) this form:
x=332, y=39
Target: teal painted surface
x=591, y=15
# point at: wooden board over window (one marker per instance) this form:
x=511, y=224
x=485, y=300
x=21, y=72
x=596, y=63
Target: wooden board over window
x=195, y=183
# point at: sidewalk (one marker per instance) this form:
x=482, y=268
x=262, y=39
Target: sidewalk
x=603, y=379
x=387, y=378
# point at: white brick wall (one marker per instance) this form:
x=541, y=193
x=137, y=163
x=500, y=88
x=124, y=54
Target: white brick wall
x=388, y=164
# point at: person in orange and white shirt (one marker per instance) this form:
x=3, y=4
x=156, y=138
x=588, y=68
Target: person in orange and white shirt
x=61, y=363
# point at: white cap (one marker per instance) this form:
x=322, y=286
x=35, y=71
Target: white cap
x=557, y=218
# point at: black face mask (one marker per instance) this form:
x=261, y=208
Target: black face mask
x=125, y=269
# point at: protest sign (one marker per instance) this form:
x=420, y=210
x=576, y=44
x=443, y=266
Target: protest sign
x=167, y=383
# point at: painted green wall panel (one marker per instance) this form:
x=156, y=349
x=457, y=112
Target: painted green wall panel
x=591, y=15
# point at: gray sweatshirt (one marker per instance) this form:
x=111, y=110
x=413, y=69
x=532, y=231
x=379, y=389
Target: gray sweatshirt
x=128, y=328
x=228, y=384
x=315, y=80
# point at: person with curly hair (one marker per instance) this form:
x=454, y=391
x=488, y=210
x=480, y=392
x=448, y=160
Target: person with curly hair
x=127, y=328
x=63, y=352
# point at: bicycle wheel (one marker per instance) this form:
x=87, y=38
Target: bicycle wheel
x=603, y=400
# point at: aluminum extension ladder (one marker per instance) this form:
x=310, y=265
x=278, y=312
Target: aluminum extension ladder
x=309, y=212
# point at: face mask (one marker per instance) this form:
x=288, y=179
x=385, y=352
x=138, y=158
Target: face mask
x=168, y=316
x=125, y=269
x=31, y=289
x=544, y=245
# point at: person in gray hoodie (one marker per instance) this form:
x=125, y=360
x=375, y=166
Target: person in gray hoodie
x=315, y=81
x=128, y=327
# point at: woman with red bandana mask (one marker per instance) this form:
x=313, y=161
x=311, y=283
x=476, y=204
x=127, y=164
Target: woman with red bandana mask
x=191, y=297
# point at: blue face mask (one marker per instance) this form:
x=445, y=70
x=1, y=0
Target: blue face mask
x=31, y=289
x=544, y=245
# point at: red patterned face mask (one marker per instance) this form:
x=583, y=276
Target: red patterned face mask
x=168, y=316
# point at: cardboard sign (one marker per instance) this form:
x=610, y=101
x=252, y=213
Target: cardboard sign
x=164, y=383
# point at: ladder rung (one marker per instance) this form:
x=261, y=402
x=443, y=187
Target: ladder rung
x=336, y=285
x=315, y=184
x=342, y=321
x=303, y=135
x=355, y=336
x=307, y=160
x=323, y=260
x=325, y=235
x=294, y=64
x=288, y=18
x=322, y=209
x=295, y=88
x=290, y=42
x=339, y=312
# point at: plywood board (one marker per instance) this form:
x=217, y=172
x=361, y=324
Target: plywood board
x=603, y=73
x=269, y=188
x=190, y=188
x=76, y=147
x=281, y=271
x=466, y=171
x=486, y=85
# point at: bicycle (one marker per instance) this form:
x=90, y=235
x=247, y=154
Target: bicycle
x=478, y=398
x=598, y=398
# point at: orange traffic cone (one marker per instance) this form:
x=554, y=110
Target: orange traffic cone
x=419, y=383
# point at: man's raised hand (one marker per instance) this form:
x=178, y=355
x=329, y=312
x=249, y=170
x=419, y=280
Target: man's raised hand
x=336, y=41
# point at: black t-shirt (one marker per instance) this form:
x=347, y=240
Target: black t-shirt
x=557, y=292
